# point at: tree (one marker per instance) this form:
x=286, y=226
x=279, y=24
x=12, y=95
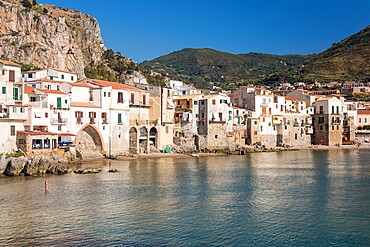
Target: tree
x=34, y=2
x=26, y=4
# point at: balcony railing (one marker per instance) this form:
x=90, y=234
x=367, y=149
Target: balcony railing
x=58, y=120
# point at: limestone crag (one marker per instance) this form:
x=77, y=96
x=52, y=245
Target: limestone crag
x=49, y=37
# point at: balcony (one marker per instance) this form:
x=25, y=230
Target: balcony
x=58, y=121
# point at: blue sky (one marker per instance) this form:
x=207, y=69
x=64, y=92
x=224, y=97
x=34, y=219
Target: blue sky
x=146, y=29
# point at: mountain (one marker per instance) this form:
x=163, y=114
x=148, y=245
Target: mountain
x=47, y=36
x=346, y=60
x=202, y=67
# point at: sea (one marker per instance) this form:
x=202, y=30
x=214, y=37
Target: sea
x=295, y=198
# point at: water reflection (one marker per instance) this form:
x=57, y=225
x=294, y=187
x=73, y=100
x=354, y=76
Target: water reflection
x=288, y=198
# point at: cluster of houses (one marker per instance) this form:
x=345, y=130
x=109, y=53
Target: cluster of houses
x=50, y=110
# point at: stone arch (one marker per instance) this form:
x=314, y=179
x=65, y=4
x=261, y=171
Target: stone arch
x=89, y=142
x=153, y=134
x=143, y=140
x=133, y=140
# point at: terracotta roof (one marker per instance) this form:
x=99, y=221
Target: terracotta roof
x=84, y=104
x=9, y=63
x=363, y=112
x=37, y=132
x=114, y=85
x=64, y=71
x=80, y=84
x=32, y=71
x=28, y=89
x=237, y=107
x=210, y=96
x=46, y=80
x=289, y=98
x=48, y=91
x=190, y=96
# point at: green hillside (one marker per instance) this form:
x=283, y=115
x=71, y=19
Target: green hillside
x=204, y=67
x=346, y=60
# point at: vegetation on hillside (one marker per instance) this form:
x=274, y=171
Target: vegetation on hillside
x=113, y=67
x=208, y=67
x=347, y=60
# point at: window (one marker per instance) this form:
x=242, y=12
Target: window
x=72, y=78
x=105, y=94
x=213, y=102
x=49, y=86
x=46, y=115
x=120, y=98
x=144, y=99
x=295, y=136
x=62, y=77
x=132, y=98
x=14, y=109
x=66, y=101
x=22, y=141
x=255, y=122
x=108, y=94
x=321, y=109
x=167, y=129
x=337, y=109
x=12, y=130
x=332, y=110
x=104, y=117
x=37, y=144
x=3, y=90
x=216, y=136
x=119, y=118
x=202, y=115
x=79, y=116
x=59, y=127
x=59, y=102
x=92, y=116
x=359, y=120
x=32, y=99
x=11, y=75
x=188, y=103
x=23, y=110
x=220, y=115
x=195, y=102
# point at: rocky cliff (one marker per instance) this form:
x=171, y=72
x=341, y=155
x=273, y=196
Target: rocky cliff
x=49, y=36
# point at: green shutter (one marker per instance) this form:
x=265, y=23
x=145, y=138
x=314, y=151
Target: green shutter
x=59, y=102
x=4, y=90
x=119, y=118
x=16, y=95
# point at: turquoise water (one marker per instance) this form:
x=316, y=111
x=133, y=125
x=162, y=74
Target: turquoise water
x=303, y=198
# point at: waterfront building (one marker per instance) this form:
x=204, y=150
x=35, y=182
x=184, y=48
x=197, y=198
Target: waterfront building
x=179, y=88
x=327, y=121
x=186, y=115
x=274, y=120
x=215, y=120
x=12, y=112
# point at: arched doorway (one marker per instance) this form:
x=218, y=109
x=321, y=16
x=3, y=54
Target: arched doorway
x=133, y=140
x=89, y=143
x=153, y=137
x=143, y=140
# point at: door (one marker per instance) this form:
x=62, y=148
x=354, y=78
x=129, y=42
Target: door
x=16, y=94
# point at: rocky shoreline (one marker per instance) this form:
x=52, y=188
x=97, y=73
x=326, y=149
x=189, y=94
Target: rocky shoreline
x=31, y=166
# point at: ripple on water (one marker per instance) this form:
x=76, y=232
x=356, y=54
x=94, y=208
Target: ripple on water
x=292, y=198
